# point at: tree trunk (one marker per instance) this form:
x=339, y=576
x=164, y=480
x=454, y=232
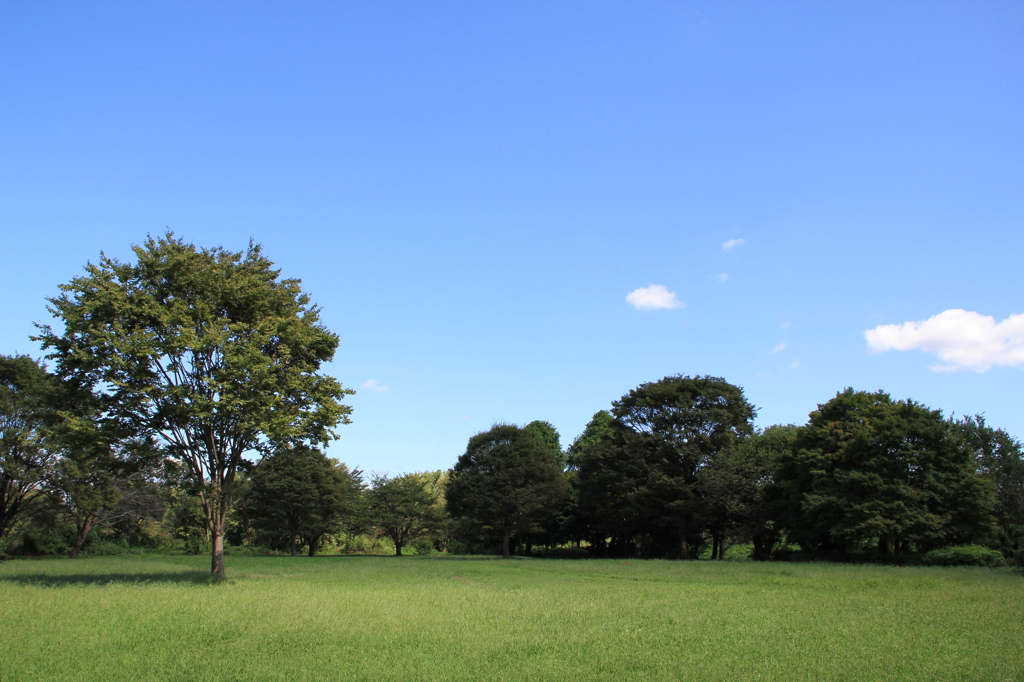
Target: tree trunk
x=505, y=553
x=714, y=546
x=682, y=550
x=314, y=540
x=217, y=537
x=398, y=548
x=83, y=532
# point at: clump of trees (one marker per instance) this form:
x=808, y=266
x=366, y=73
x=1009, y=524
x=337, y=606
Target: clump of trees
x=185, y=406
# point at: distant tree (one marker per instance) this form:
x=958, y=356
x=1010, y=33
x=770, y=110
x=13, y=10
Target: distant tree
x=504, y=480
x=300, y=492
x=205, y=350
x=999, y=458
x=600, y=428
x=552, y=524
x=575, y=526
x=406, y=507
x=96, y=460
x=642, y=484
x=549, y=434
x=26, y=390
x=867, y=468
x=734, y=488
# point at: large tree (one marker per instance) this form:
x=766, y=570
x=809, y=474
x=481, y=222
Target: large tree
x=206, y=350
x=26, y=460
x=869, y=469
x=506, y=478
x=642, y=483
x=999, y=458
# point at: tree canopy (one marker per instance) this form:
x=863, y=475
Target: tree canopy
x=866, y=467
x=300, y=492
x=26, y=392
x=640, y=485
x=505, y=479
x=406, y=507
x=206, y=350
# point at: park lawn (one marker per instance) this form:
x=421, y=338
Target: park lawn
x=482, y=618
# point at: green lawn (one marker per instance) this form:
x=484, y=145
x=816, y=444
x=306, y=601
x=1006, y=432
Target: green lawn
x=481, y=618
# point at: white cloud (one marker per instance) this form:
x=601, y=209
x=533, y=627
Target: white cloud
x=779, y=347
x=794, y=364
x=962, y=339
x=722, y=277
x=654, y=297
x=785, y=325
x=732, y=244
x=373, y=385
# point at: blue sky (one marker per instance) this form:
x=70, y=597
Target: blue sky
x=471, y=190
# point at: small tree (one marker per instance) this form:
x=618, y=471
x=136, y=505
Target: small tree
x=407, y=507
x=504, y=480
x=205, y=350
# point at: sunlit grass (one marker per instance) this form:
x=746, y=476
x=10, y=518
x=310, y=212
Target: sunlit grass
x=453, y=618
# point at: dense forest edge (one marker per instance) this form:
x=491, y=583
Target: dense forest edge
x=180, y=408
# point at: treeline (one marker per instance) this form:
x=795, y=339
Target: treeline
x=185, y=407
x=675, y=469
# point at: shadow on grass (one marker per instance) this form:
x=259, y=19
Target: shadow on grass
x=57, y=580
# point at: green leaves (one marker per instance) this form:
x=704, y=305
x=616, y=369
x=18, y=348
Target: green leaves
x=206, y=350
x=506, y=477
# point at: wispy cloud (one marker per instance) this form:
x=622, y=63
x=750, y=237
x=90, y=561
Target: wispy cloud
x=794, y=364
x=654, y=297
x=374, y=385
x=779, y=347
x=722, y=277
x=785, y=325
x=732, y=244
x=961, y=338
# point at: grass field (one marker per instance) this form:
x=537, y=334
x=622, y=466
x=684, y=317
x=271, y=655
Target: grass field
x=481, y=618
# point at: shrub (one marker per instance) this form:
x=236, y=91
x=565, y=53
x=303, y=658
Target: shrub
x=423, y=546
x=561, y=552
x=964, y=555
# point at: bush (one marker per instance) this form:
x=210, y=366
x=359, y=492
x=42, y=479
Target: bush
x=561, y=552
x=964, y=555
x=423, y=546
x=101, y=547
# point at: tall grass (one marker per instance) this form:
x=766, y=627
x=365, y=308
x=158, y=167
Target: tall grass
x=462, y=618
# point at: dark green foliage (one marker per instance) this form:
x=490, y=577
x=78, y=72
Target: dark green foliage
x=549, y=434
x=407, y=508
x=867, y=468
x=205, y=350
x=300, y=492
x=964, y=555
x=26, y=392
x=734, y=487
x=999, y=458
x=505, y=480
x=640, y=486
x=562, y=553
